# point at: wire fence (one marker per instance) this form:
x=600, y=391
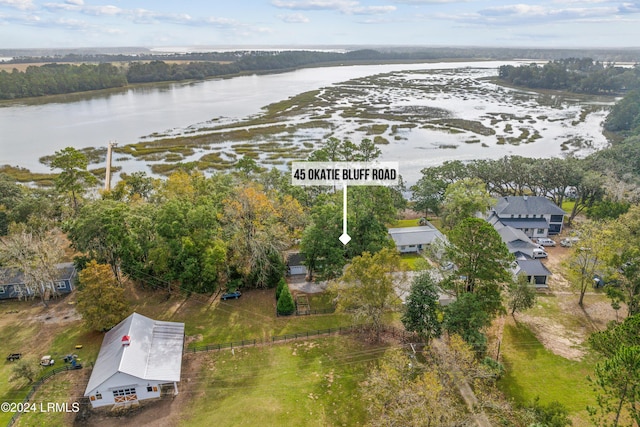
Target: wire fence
x=36, y=385
x=397, y=333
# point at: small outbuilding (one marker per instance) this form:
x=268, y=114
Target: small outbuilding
x=138, y=356
x=535, y=271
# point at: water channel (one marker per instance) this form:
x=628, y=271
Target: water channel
x=29, y=130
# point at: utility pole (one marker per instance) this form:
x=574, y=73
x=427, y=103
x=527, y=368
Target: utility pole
x=107, y=180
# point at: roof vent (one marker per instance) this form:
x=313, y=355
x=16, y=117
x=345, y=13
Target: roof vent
x=126, y=340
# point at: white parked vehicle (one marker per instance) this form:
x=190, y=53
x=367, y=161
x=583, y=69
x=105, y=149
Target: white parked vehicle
x=47, y=361
x=539, y=253
x=545, y=241
x=569, y=241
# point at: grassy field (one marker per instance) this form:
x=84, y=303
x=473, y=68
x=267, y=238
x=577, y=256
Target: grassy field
x=414, y=262
x=34, y=330
x=303, y=383
x=532, y=370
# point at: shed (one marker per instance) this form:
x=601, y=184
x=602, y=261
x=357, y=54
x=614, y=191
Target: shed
x=137, y=357
x=295, y=264
x=535, y=271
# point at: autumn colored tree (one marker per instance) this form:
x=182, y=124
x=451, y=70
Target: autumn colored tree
x=366, y=289
x=258, y=227
x=402, y=392
x=101, y=300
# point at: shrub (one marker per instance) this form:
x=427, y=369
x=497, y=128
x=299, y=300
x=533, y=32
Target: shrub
x=285, y=305
x=281, y=285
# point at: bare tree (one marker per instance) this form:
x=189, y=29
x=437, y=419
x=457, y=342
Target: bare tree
x=35, y=256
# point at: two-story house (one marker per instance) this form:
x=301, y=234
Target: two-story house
x=536, y=216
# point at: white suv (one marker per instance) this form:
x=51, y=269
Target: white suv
x=545, y=241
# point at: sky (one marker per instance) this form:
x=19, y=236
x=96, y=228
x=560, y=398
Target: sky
x=211, y=23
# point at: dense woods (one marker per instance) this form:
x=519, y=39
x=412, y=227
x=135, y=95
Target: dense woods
x=56, y=77
x=580, y=75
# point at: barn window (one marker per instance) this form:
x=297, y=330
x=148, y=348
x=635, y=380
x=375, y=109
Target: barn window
x=149, y=389
x=98, y=396
x=124, y=392
x=2, y=291
x=61, y=285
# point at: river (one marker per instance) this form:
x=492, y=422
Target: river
x=31, y=130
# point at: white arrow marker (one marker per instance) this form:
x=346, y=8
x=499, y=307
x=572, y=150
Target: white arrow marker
x=345, y=238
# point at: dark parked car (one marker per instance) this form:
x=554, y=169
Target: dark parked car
x=231, y=295
x=14, y=356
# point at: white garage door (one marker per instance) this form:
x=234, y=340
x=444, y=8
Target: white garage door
x=298, y=269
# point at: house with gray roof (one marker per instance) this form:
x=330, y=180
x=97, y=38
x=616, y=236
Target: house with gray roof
x=415, y=239
x=536, y=216
x=138, y=356
x=13, y=283
x=535, y=272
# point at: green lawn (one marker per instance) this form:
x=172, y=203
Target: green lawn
x=401, y=223
x=532, y=370
x=303, y=383
x=414, y=262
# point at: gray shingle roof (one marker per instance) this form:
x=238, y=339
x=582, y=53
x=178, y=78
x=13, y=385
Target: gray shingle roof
x=523, y=205
x=422, y=235
x=154, y=353
x=525, y=222
x=532, y=267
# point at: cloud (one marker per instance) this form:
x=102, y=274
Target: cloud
x=76, y=2
x=18, y=4
x=315, y=4
x=372, y=10
x=430, y=1
x=528, y=14
x=347, y=7
x=294, y=18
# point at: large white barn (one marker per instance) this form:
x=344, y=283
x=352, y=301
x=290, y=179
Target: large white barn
x=137, y=357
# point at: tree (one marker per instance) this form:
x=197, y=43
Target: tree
x=589, y=258
x=366, y=289
x=258, y=227
x=617, y=384
x=103, y=230
x=463, y=199
x=467, y=317
x=35, y=255
x=101, y=301
x=617, y=335
x=325, y=255
x=285, y=305
x=479, y=253
x=427, y=195
x=402, y=392
x=281, y=285
x=625, y=241
x=24, y=369
x=74, y=177
x=522, y=295
x=422, y=309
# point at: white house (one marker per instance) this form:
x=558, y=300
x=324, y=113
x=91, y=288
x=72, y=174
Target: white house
x=415, y=239
x=536, y=216
x=137, y=357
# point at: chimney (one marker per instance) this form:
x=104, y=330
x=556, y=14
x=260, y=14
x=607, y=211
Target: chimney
x=126, y=340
